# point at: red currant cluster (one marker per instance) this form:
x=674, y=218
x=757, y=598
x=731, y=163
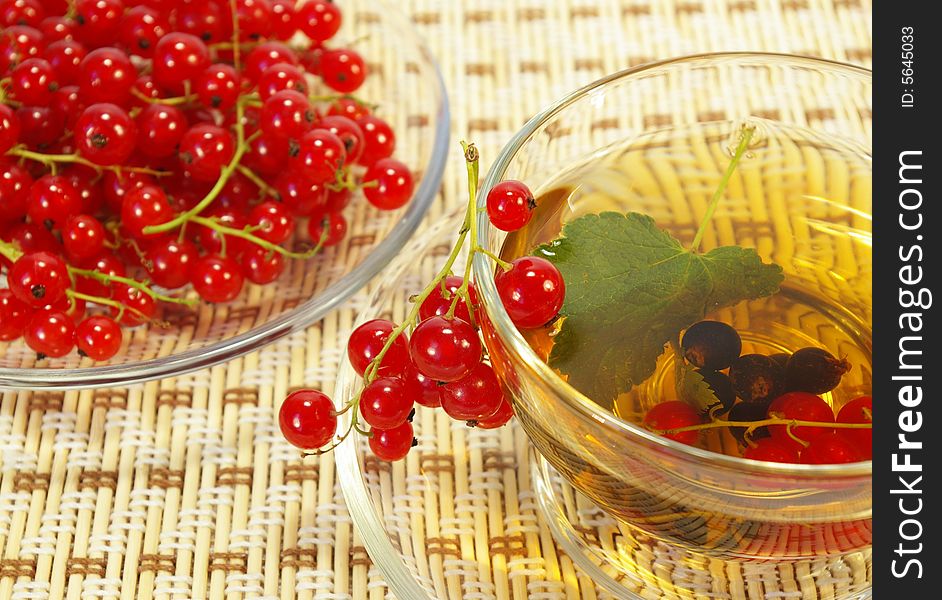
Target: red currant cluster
x=171, y=142
x=769, y=403
x=443, y=363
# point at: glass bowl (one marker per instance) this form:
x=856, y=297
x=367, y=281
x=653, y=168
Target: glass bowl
x=711, y=513
x=406, y=84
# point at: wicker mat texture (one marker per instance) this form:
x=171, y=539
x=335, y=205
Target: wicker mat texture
x=184, y=488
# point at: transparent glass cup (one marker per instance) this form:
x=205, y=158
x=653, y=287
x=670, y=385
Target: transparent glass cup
x=705, y=506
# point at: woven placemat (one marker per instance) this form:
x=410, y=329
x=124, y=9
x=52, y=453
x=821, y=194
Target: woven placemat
x=184, y=488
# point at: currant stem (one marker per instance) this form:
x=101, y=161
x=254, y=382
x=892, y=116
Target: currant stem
x=236, y=47
x=173, y=101
x=500, y=262
x=258, y=181
x=51, y=160
x=121, y=308
x=248, y=236
x=108, y=278
x=471, y=159
x=745, y=137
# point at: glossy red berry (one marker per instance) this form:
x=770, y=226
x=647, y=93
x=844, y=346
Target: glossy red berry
x=272, y=220
x=139, y=306
x=532, y=291
x=831, y=449
x=320, y=154
x=319, y=19
x=388, y=184
x=673, y=415
x=213, y=242
x=858, y=410
x=115, y=188
x=264, y=56
x=33, y=237
x=283, y=22
x=437, y=305
x=349, y=133
x=145, y=207
x=40, y=126
x=281, y=76
x=343, y=70
x=510, y=205
x=33, y=81
x=83, y=237
x=218, y=87
x=106, y=75
x=771, y=450
x=445, y=349
x=386, y=402
x=105, y=134
x=106, y=263
x=98, y=20
x=367, y=341
x=350, y=108
x=15, y=184
x=254, y=18
x=379, y=139
x=98, y=337
x=260, y=265
x=392, y=444
x=53, y=199
x=266, y=156
x=203, y=20
x=287, y=115
x=14, y=315
x=140, y=29
x=204, y=150
x=9, y=128
x=475, y=397
x=307, y=419
x=169, y=262
x=500, y=418
x=800, y=406
x=179, y=57
x=57, y=28
x=65, y=57
x=301, y=194
x=21, y=12
x=427, y=391
x=50, y=332
x=17, y=43
x=159, y=130
x=217, y=278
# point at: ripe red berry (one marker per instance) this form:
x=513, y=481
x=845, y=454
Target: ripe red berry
x=33, y=237
x=771, y=450
x=21, y=12
x=98, y=337
x=254, y=19
x=858, y=410
x=800, y=406
x=17, y=43
x=287, y=115
x=33, y=81
x=281, y=76
x=203, y=20
x=437, y=305
x=83, y=237
x=50, y=332
x=510, y=205
x=532, y=291
x=264, y=56
x=343, y=70
x=260, y=265
x=445, y=349
x=350, y=108
x=204, y=150
x=15, y=184
x=830, y=449
x=169, y=262
x=217, y=278
x=500, y=418
x=140, y=29
x=145, y=207
x=139, y=306
x=379, y=139
x=283, y=22
x=266, y=156
x=427, y=391
x=367, y=341
x=106, y=263
x=40, y=126
x=335, y=224
x=14, y=315
x=98, y=20
x=388, y=184
x=320, y=154
x=53, y=200
x=307, y=419
x=105, y=134
x=272, y=220
x=159, y=130
x=179, y=57
x=386, y=402
x=9, y=128
x=303, y=196
x=673, y=415
x=475, y=397
x=65, y=57
x=319, y=19
x=218, y=87
x=392, y=444
x=106, y=75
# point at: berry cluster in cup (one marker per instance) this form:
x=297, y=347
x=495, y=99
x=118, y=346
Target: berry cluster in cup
x=771, y=404
x=443, y=363
x=147, y=146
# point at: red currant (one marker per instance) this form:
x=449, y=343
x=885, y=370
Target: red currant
x=14, y=315
x=800, y=406
x=106, y=75
x=319, y=19
x=67, y=106
x=105, y=134
x=85, y=181
x=53, y=200
x=107, y=264
x=437, y=305
x=273, y=221
x=9, y=128
x=427, y=391
x=475, y=397
x=392, y=444
x=204, y=151
x=343, y=70
x=264, y=56
x=367, y=341
x=283, y=23
x=33, y=81
x=17, y=43
x=350, y=108
x=139, y=306
x=21, y=12
x=281, y=76
x=115, y=187
x=510, y=205
x=33, y=237
x=218, y=87
x=169, y=262
x=145, y=207
x=15, y=185
x=203, y=20
x=379, y=140
x=213, y=242
x=674, y=415
x=98, y=337
x=98, y=20
x=65, y=57
x=320, y=154
x=386, y=403
x=445, y=349
x=140, y=29
x=254, y=18
x=178, y=58
x=266, y=155
x=50, y=332
x=217, y=278
x=287, y=115
x=40, y=126
x=260, y=265
x=830, y=449
x=771, y=450
x=532, y=291
x=858, y=410
x=302, y=195
x=307, y=419
x=159, y=130
x=388, y=184
x=500, y=418
x=83, y=237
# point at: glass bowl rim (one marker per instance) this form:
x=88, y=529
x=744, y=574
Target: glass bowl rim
x=301, y=316
x=523, y=353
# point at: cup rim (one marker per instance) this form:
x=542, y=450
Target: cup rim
x=514, y=341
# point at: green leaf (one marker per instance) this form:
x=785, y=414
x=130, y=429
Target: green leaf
x=693, y=389
x=631, y=288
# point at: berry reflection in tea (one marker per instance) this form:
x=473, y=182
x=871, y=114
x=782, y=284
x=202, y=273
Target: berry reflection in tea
x=716, y=291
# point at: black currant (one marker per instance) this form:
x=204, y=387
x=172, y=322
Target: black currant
x=780, y=358
x=814, y=370
x=749, y=411
x=757, y=378
x=711, y=345
x=721, y=386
